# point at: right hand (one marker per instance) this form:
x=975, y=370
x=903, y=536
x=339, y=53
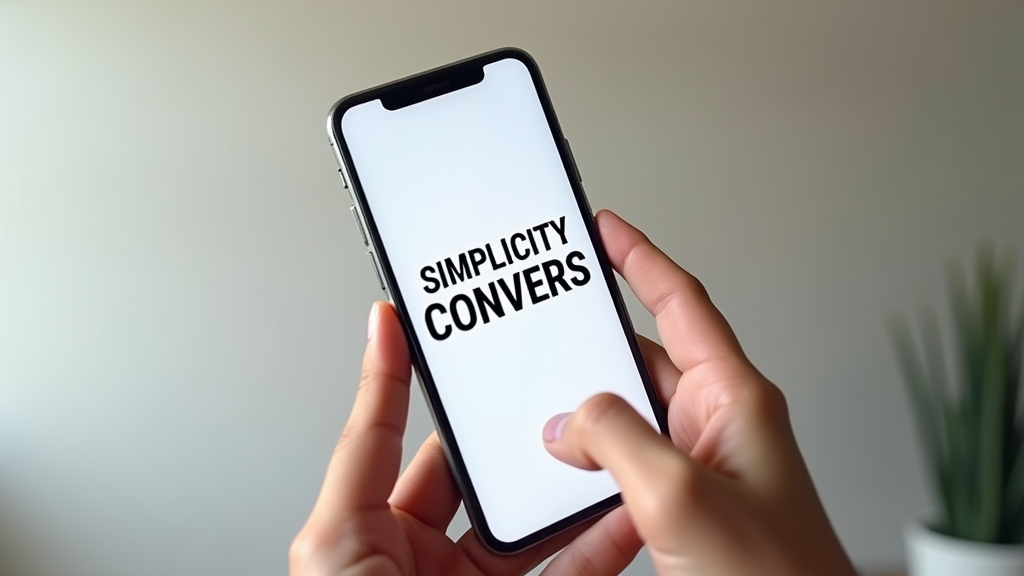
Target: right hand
x=729, y=494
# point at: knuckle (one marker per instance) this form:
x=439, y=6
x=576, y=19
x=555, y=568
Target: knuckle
x=687, y=284
x=319, y=549
x=635, y=256
x=766, y=402
x=582, y=565
x=681, y=283
x=742, y=387
x=597, y=411
x=392, y=432
x=305, y=548
x=374, y=377
x=366, y=378
x=344, y=440
x=694, y=286
x=298, y=551
x=620, y=549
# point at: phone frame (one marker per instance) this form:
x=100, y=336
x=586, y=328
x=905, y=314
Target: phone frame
x=378, y=255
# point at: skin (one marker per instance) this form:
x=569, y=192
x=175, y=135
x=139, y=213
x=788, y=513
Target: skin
x=727, y=495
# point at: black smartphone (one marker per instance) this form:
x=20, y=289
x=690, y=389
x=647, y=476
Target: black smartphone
x=474, y=217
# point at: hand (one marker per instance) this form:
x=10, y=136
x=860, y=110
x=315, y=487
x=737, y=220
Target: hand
x=369, y=522
x=729, y=495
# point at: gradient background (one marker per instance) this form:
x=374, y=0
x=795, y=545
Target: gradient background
x=183, y=295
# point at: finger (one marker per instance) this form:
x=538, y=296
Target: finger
x=492, y=564
x=605, y=549
x=427, y=491
x=368, y=456
x=663, y=371
x=693, y=330
x=660, y=485
x=607, y=433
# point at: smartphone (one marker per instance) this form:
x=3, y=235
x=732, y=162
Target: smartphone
x=475, y=221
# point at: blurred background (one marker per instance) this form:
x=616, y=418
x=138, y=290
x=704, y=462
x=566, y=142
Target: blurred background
x=183, y=294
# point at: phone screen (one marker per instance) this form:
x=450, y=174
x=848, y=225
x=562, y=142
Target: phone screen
x=476, y=216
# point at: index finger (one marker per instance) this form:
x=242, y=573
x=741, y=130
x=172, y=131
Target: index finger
x=367, y=459
x=691, y=328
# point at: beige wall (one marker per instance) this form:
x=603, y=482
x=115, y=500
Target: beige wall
x=183, y=295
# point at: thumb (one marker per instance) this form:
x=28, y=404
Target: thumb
x=663, y=489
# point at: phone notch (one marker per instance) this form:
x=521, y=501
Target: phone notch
x=433, y=85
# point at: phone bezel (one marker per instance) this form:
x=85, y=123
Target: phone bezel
x=449, y=442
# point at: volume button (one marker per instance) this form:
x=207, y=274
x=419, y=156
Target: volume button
x=338, y=159
x=359, y=224
x=376, y=270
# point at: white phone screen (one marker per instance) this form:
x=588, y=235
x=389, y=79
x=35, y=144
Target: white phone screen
x=486, y=242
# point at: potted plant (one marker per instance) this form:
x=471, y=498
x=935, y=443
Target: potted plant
x=965, y=400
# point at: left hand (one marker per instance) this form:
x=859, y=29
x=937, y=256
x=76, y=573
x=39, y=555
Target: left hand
x=368, y=521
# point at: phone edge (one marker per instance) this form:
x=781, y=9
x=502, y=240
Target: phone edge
x=436, y=408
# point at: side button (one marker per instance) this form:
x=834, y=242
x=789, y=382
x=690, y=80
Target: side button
x=359, y=224
x=573, y=158
x=376, y=270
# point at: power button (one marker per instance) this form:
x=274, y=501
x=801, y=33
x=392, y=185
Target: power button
x=359, y=224
x=376, y=270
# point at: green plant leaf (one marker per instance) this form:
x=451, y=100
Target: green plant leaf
x=935, y=390
x=1013, y=510
x=917, y=391
x=971, y=426
x=1014, y=504
x=958, y=509
x=967, y=346
x=990, y=447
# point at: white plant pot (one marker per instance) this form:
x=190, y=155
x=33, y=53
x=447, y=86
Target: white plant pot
x=932, y=554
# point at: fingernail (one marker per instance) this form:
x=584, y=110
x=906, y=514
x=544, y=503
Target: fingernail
x=553, y=428
x=371, y=324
